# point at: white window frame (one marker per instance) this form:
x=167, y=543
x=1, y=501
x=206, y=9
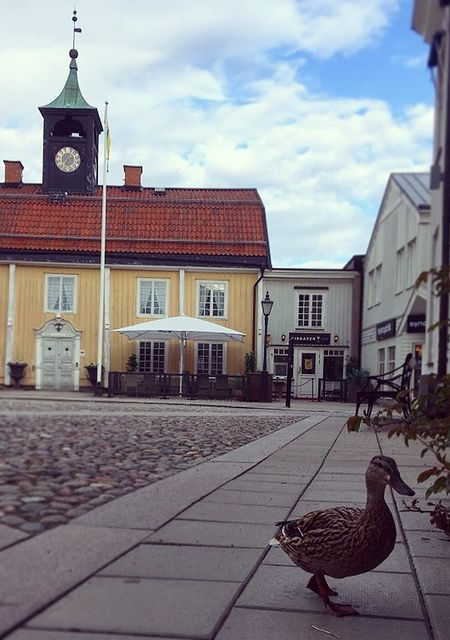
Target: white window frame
x=411, y=252
x=152, y=342
x=140, y=281
x=211, y=284
x=371, y=289
x=400, y=270
x=378, y=276
x=61, y=276
x=390, y=358
x=310, y=294
x=381, y=356
x=224, y=356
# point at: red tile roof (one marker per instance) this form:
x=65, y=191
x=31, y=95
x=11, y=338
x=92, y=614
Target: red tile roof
x=227, y=223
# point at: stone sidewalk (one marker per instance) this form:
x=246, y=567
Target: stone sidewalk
x=187, y=557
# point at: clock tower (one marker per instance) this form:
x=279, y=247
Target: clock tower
x=70, y=146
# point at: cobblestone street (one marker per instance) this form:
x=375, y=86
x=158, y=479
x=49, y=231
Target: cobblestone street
x=60, y=460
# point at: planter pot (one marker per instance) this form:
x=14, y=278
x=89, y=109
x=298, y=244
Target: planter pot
x=259, y=387
x=91, y=371
x=17, y=371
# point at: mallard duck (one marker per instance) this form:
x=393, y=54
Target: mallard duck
x=345, y=541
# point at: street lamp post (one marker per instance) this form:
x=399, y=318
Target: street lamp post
x=266, y=305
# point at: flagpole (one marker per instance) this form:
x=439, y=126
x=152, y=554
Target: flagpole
x=101, y=303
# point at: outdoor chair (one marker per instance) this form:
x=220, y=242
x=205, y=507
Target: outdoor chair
x=393, y=384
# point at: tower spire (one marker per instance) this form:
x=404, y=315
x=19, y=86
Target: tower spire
x=71, y=96
x=75, y=28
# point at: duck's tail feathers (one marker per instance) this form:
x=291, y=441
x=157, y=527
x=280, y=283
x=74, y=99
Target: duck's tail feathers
x=273, y=542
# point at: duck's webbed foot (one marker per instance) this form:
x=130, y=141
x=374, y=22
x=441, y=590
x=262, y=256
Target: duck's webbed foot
x=324, y=592
x=312, y=584
x=341, y=609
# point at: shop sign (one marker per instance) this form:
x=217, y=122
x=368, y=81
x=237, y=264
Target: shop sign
x=415, y=324
x=312, y=339
x=386, y=329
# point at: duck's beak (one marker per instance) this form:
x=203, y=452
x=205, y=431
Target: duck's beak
x=401, y=487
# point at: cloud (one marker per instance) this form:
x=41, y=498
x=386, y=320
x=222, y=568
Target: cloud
x=216, y=94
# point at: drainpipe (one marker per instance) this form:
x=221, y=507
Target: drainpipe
x=254, y=309
x=445, y=222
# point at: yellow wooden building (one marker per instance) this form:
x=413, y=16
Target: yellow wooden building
x=173, y=251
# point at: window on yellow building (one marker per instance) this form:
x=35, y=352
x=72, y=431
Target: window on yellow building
x=210, y=358
x=151, y=357
x=212, y=299
x=60, y=293
x=152, y=297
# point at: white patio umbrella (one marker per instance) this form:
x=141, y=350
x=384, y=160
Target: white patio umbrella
x=182, y=328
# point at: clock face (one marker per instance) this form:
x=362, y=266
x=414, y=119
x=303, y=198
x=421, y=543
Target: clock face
x=67, y=159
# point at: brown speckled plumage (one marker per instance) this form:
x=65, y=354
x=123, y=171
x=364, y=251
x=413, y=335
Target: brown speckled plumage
x=345, y=541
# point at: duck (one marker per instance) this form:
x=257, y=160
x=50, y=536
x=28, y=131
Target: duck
x=345, y=541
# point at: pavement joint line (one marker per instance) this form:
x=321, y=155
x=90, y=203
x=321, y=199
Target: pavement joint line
x=316, y=612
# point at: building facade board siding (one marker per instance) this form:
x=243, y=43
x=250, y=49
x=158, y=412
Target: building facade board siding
x=431, y=19
x=336, y=337
x=396, y=255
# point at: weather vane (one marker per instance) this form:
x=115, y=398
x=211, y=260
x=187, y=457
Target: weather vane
x=75, y=28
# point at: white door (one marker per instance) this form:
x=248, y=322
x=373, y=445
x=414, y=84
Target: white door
x=58, y=363
x=306, y=362
x=57, y=356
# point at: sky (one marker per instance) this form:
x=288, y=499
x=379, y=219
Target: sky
x=312, y=102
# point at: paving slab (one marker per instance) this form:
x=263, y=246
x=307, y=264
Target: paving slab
x=280, y=478
x=263, y=447
x=429, y=544
x=218, y=534
x=439, y=607
x=252, y=624
x=152, y=506
x=226, y=496
x=270, y=468
x=141, y=606
x=374, y=593
x=215, y=512
x=44, y=567
x=433, y=574
x=9, y=536
x=242, y=484
x=185, y=562
x=36, y=634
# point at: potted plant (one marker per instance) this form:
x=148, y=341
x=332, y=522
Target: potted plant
x=91, y=370
x=250, y=362
x=132, y=363
x=17, y=370
x=356, y=378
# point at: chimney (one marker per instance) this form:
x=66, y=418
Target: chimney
x=13, y=173
x=132, y=177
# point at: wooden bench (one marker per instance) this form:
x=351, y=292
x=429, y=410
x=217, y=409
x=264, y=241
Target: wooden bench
x=393, y=384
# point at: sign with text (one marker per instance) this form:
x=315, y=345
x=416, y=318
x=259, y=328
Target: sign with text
x=386, y=329
x=311, y=339
x=415, y=324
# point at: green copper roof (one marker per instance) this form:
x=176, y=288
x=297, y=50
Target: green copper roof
x=71, y=96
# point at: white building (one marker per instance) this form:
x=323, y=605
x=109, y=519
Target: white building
x=319, y=310
x=431, y=19
x=393, y=318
